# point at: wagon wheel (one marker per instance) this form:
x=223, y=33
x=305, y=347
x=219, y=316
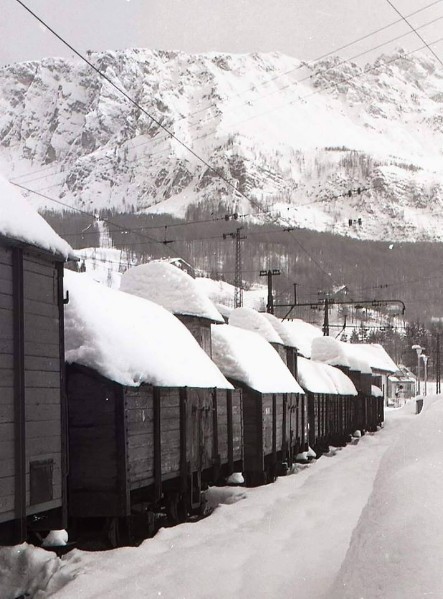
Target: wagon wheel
x=176, y=509
x=117, y=531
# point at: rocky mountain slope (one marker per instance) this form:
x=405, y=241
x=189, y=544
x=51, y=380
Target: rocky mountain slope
x=293, y=137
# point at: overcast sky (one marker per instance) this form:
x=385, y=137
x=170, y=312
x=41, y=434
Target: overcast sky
x=305, y=29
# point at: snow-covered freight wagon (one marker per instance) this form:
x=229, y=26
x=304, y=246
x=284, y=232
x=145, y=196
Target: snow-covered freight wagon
x=151, y=418
x=330, y=404
x=32, y=452
x=265, y=325
x=274, y=430
x=352, y=359
x=175, y=290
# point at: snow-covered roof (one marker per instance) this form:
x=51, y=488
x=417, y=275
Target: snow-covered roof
x=170, y=287
x=131, y=340
x=251, y=320
x=401, y=379
x=375, y=355
x=20, y=222
x=317, y=377
x=299, y=334
x=337, y=353
x=376, y=391
x=248, y=358
x=277, y=324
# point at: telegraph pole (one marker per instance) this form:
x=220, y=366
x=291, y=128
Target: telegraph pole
x=326, y=318
x=238, y=281
x=270, y=273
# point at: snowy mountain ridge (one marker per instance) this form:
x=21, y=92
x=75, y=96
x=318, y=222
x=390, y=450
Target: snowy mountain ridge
x=294, y=137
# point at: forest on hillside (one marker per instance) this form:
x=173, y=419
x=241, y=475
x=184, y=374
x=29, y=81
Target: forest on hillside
x=317, y=262
x=320, y=264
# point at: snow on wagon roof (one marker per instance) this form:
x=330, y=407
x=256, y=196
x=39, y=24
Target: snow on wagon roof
x=131, y=340
x=375, y=355
x=299, y=334
x=246, y=357
x=251, y=320
x=337, y=353
x=19, y=221
x=172, y=288
x=317, y=377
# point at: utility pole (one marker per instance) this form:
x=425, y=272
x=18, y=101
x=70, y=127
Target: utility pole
x=437, y=365
x=270, y=273
x=326, y=318
x=238, y=282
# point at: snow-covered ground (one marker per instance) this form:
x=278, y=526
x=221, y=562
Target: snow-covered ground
x=362, y=522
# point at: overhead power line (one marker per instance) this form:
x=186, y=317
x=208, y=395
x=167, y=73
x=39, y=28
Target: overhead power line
x=415, y=30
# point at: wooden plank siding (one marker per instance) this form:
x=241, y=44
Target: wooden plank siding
x=200, y=328
x=42, y=372
x=30, y=385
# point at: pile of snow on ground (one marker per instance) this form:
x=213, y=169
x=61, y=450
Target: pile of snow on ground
x=397, y=548
x=31, y=572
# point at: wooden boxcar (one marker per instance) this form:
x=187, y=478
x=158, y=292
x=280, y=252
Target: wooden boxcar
x=274, y=423
x=352, y=360
x=134, y=450
x=32, y=406
x=330, y=404
x=145, y=429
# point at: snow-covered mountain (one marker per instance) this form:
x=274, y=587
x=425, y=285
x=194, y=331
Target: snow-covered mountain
x=290, y=135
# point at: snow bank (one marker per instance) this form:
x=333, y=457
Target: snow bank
x=246, y=357
x=55, y=538
x=317, y=377
x=375, y=355
x=396, y=550
x=131, y=340
x=172, y=288
x=300, y=334
x=31, y=572
x=19, y=221
x=251, y=320
x=337, y=353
